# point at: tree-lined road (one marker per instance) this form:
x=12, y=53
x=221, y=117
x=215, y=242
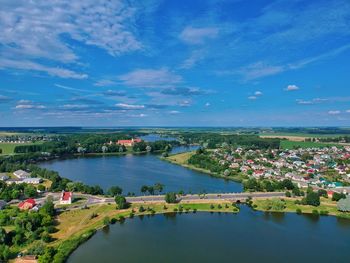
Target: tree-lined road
x=231, y=197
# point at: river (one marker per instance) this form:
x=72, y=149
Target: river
x=132, y=171
x=204, y=237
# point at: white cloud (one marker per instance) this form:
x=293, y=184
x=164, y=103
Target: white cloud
x=129, y=106
x=28, y=105
x=193, y=59
x=258, y=93
x=32, y=66
x=207, y=104
x=347, y=111
x=258, y=70
x=252, y=98
x=75, y=106
x=185, y=103
x=174, y=112
x=104, y=83
x=311, y=102
x=31, y=30
x=291, y=88
x=198, y=35
x=334, y=112
x=150, y=78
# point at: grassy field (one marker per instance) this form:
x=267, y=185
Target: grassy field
x=304, y=135
x=292, y=144
x=326, y=205
x=8, y=148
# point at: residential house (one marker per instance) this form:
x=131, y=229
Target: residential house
x=66, y=198
x=27, y=204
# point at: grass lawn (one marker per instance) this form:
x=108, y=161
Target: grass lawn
x=75, y=222
x=326, y=205
x=8, y=148
x=180, y=158
x=292, y=144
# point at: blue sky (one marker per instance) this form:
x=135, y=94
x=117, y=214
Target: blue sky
x=175, y=63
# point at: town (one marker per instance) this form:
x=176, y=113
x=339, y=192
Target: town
x=319, y=168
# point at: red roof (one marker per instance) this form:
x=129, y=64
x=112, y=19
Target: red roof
x=129, y=141
x=124, y=141
x=66, y=196
x=29, y=202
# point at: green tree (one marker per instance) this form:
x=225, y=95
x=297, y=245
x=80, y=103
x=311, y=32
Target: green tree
x=121, y=202
x=312, y=198
x=115, y=190
x=159, y=187
x=30, y=191
x=144, y=189
x=337, y=196
x=170, y=198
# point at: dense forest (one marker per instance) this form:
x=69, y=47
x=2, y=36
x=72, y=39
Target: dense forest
x=213, y=140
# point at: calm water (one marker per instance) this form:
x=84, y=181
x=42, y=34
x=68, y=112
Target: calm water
x=132, y=171
x=203, y=237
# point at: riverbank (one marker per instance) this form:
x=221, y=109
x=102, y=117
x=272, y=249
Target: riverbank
x=77, y=226
x=327, y=207
x=182, y=160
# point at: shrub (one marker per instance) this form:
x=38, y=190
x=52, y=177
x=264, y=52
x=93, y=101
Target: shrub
x=141, y=209
x=194, y=210
x=106, y=221
x=324, y=212
x=315, y=212
x=288, y=194
x=211, y=206
x=113, y=220
x=219, y=206
x=298, y=211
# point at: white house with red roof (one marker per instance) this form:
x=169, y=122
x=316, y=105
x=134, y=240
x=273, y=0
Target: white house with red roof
x=66, y=198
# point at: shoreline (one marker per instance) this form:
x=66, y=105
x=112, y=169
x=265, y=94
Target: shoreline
x=197, y=169
x=67, y=247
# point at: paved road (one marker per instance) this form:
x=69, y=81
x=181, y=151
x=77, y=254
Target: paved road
x=232, y=197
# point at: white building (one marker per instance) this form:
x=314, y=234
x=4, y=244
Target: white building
x=32, y=180
x=66, y=198
x=21, y=174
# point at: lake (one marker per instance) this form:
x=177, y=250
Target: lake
x=132, y=171
x=203, y=237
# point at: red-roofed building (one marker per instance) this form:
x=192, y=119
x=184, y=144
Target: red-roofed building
x=27, y=204
x=66, y=198
x=129, y=142
x=330, y=194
